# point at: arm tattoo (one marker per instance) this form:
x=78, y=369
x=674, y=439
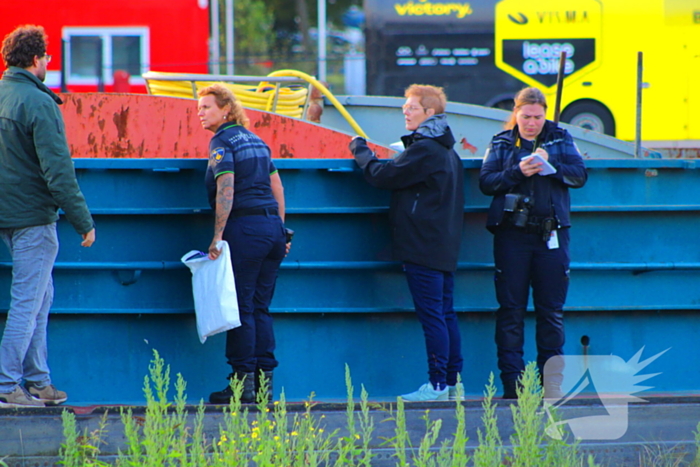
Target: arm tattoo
x=224, y=202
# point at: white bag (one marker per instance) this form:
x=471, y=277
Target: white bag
x=214, y=290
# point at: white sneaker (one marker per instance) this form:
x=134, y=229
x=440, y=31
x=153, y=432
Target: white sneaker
x=426, y=393
x=452, y=391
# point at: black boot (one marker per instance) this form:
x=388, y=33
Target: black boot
x=247, y=396
x=267, y=376
x=510, y=389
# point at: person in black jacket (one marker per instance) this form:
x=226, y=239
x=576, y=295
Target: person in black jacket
x=427, y=213
x=529, y=217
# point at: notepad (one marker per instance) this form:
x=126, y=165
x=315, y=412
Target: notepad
x=547, y=168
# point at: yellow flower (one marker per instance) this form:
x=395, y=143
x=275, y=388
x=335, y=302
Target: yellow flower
x=357, y=436
x=276, y=438
x=294, y=433
x=254, y=434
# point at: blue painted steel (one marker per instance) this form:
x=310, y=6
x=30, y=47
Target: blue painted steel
x=341, y=299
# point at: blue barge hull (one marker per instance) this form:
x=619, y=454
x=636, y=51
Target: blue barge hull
x=341, y=299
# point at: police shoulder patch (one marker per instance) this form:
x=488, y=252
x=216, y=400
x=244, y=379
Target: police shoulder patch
x=217, y=154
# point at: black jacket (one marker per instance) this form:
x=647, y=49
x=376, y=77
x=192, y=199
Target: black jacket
x=500, y=172
x=427, y=203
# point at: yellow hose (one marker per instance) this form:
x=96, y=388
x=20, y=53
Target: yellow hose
x=290, y=102
x=318, y=85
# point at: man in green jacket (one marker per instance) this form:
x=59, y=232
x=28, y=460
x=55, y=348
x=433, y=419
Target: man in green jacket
x=37, y=178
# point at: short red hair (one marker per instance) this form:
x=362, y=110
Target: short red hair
x=431, y=97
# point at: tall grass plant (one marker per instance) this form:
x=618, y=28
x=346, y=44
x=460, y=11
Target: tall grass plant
x=166, y=435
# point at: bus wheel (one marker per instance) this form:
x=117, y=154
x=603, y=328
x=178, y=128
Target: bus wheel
x=591, y=116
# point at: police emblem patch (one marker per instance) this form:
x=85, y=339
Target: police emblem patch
x=217, y=154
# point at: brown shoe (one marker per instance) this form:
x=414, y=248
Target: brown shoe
x=49, y=395
x=18, y=398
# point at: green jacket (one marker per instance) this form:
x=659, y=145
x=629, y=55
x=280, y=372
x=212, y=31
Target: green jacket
x=36, y=171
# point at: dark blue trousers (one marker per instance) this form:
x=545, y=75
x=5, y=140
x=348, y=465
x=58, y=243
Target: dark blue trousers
x=257, y=248
x=523, y=261
x=432, y=293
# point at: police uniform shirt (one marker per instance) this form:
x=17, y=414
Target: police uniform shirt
x=234, y=149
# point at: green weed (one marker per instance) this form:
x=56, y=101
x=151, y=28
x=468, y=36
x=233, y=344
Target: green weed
x=166, y=436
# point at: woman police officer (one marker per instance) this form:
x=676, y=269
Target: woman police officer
x=529, y=217
x=252, y=222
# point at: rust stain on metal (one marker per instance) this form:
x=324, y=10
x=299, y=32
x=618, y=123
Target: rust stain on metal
x=263, y=122
x=121, y=120
x=678, y=153
x=135, y=133
x=285, y=152
x=191, y=116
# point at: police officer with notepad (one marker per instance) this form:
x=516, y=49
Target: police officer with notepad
x=528, y=169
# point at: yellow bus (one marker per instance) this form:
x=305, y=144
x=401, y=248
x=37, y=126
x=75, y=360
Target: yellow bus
x=602, y=39
x=483, y=51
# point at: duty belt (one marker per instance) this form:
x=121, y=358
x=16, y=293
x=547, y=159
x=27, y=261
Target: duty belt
x=534, y=225
x=255, y=212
